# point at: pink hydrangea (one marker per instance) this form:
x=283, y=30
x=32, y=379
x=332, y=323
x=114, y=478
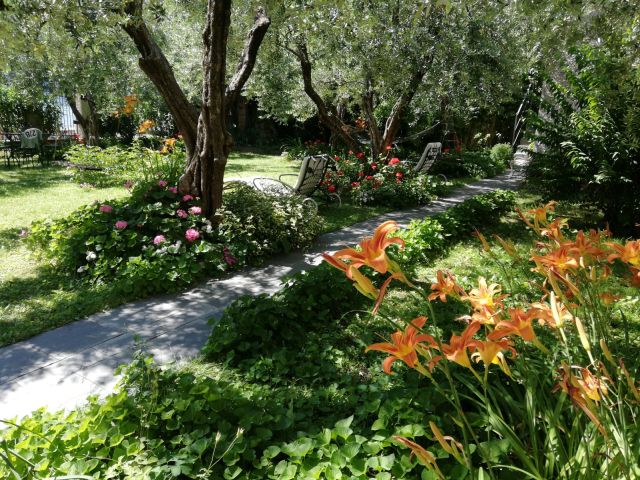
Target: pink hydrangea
x=162, y=183
x=128, y=185
x=192, y=234
x=182, y=213
x=121, y=224
x=173, y=189
x=394, y=161
x=106, y=208
x=195, y=210
x=158, y=239
x=186, y=198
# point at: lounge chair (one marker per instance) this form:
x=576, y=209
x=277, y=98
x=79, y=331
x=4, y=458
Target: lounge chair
x=431, y=153
x=308, y=181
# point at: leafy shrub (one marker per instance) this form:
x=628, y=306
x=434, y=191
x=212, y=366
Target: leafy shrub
x=590, y=134
x=266, y=224
x=501, y=154
x=157, y=241
x=428, y=236
x=120, y=165
x=475, y=163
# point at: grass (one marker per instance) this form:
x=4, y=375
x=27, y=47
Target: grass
x=242, y=165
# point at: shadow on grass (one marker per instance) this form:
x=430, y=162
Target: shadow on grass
x=50, y=299
x=15, y=181
x=10, y=238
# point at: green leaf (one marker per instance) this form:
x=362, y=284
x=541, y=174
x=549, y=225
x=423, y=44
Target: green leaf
x=350, y=450
x=343, y=432
x=345, y=423
x=383, y=476
x=272, y=451
x=333, y=473
x=232, y=472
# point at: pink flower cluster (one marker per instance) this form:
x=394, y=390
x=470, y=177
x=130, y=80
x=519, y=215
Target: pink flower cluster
x=394, y=161
x=173, y=189
x=182, y=213
x=121, y=224
x=158, y=239
x=162, y=183
x=128, y=185
x=195, y=210
x=159, y=174
x=230, y=259
x=186, y=198
x=106, y=208
x=192, y=234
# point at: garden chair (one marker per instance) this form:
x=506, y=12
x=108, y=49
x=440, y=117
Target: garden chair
x=431, y=153
x=31, y=144
x=308, y=181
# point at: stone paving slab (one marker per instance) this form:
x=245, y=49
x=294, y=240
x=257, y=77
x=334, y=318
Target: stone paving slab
x=60, y=368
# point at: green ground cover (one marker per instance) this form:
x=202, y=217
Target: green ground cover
x=286, y=391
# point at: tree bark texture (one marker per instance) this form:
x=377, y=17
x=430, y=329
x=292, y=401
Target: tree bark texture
x=207, y=141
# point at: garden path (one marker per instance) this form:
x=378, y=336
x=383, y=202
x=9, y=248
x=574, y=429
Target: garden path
x=60, y=368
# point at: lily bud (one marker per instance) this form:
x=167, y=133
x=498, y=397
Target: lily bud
x=606, y=351
x=583, y=335
x=554, y=309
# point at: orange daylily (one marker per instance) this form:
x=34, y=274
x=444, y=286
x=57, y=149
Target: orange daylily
x=363, y=284
x=634, y=279
x=456, y=351
x=608, y=298
x=540, y=213
x=630, y=253
x=520, y=325
x=146, y=125
x=483, y=295
x=403, y=345
x=425, y=457
x=483, y=315
x=491, y=352
x=559, y=260
x=581, y=391
x=445, y=287
x=553, y=230
x=168, y=145
x=585, y=246
x=373, y=250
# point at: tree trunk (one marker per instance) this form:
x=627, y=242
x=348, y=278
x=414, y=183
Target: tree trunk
x=89, y=124
x=207, y=141
x=331, y=120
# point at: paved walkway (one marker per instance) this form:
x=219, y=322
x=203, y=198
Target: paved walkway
x=60, y=368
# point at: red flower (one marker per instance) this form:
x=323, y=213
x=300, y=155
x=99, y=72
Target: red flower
x=350, y=151
x=399, y=175
x=375, y=187
x=340, y=173
x=336, y=158
x=322, y=184
x=389, y=148
x=458, y=148
x=399, y=181
x=394, y=161
x=457, y=141
x=360, y=174
x=360, y=155
x=355, y=184
x=327, y=175
x=446, y=150
x=369, y=177
x=375, y=165
x=332, y=188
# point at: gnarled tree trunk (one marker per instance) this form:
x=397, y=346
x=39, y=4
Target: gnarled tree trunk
x=90, y=124
x=207, y=141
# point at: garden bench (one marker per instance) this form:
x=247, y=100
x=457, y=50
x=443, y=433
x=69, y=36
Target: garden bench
x=308, y=182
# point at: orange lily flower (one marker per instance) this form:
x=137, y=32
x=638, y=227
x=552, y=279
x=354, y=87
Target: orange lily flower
x=540, y=213
x=535, y=228
x=425, y=457
x=553, y=230
x=445, y=287
x=373, y=251
x=559, y=260
x=483, y=296
x=576, y=390
x=363, y=284
x=383, y=289
x=520, y=325
x=456, y=351
x=608, y=299
x=484, y=316
x=491, y=352
x=634, y=279
x=630, y=253
x=585, y=246
x=403, y=345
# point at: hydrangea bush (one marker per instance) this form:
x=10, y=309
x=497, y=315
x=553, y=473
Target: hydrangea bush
x=157, y=240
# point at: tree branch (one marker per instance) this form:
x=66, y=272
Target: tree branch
x=248, y=59
x=417, y=135
x=158, y=69
x=76, y=113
